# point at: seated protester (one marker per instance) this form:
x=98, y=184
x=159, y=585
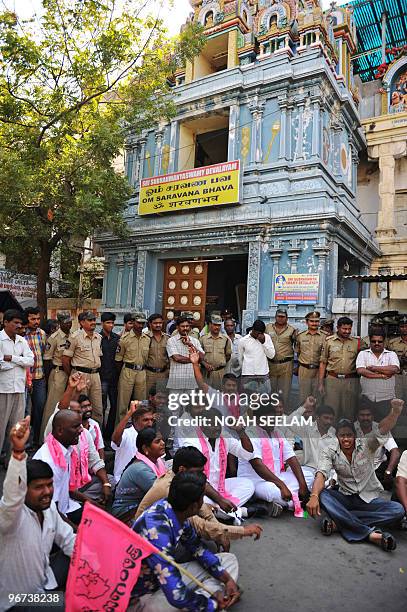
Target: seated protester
x=75, y=386
x=184, y=428
x=401, y=483
x=284, y=430
x=161, y=586
x=91, y=425
x=70, y=460
x=139, y=476
x=364, y=425
x=314, y=436
x=212, y=442
x=158, y=400
x=189, y=459
x=266, y=468
x=124, y=437
x=29, y=523
x=356, y=509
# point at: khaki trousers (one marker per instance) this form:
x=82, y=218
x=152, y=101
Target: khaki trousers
x=12, y=407
x=308, y=383
x=94, y=391
x=214, y=379
x=157, y=379
x=342, y=395
x=281, y=375
x=132, y=385
x=56, y=387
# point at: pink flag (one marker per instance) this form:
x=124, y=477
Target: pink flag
x=105, y=563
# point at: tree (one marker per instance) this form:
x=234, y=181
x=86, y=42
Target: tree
x=71, y=87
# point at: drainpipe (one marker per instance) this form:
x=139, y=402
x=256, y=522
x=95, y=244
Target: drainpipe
x=384, y=19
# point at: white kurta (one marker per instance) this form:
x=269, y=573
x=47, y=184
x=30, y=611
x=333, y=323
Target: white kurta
x=125, y=452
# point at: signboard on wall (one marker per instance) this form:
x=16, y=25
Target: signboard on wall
x=198, y=188
x=20, y=285
x=296, y=288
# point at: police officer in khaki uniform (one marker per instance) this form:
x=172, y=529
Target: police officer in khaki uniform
x=82, y=354
x=399, y=346
x=281, y=366
x=158, y=364
x=218, y=350
x=193, y=331
x=327, y=327
x=309, y=348
x=57, y=378
x=338, y=363
x=131, y=358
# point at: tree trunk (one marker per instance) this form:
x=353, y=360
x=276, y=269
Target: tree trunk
x=42, y=278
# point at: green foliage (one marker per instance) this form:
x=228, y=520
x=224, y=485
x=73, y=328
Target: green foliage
x=72, y=86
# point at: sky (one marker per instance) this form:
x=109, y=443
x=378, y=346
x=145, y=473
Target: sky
x=174, y=17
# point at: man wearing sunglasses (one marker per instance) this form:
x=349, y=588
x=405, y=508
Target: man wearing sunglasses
x=378, y=368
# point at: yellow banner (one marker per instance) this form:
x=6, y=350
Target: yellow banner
x=197, y=188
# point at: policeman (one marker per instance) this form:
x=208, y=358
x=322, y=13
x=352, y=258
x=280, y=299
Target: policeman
x=218, y=350
x=338, y=363
x=54, y=372
x=158, y=363
x=328, y=327
x=399, y=346
x=281, y=366
x=82, y=354
x=308, y=348
x=131, y=358
x=193, y=331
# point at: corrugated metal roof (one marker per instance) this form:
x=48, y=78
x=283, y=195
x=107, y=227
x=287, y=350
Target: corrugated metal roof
x=368, y=17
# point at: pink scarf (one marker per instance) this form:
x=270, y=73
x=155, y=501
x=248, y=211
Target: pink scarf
x=233, y=407
x=158, y=468
x=267, y=450
x=223, y=457
x=97, y=437
x=79, y=468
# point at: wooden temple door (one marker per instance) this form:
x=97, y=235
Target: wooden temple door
x=185, y=289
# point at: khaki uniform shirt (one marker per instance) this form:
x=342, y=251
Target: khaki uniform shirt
x=133, y=349
x=283, y=341
x=56, y=344
x=309, y=346
x=340, y=355
x=399, y=346
x=217, y=349
x=157, y=354
x=84, y=350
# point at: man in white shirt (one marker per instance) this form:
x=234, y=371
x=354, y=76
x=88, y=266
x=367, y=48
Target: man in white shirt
x=401, y=484
x=364, y=425
x=15, y=357
x=378, y=368
x=124, y=437
x=181, y=377
x=29, y=524
x=254, y=349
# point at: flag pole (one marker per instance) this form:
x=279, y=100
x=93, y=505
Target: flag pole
x=184, y=571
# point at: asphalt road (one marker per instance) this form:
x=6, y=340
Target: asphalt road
x=293, y=566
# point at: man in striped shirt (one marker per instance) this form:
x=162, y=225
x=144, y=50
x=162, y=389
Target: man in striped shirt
x=37, y=341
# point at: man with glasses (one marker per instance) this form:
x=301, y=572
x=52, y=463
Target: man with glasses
x=378, y=367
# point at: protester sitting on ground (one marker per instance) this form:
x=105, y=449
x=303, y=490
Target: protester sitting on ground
x=401, y=483
x=158, y=400
x=29, y=524
x=364, y=425
x=161, y=586
x=190, y=459
x=356, y=509
x=70, y=465
x=91, y=425
x=284, y=430
x=124, y=436
x=209, y=439
x=141, y=473
x=266, y=469
x=315, y=435
x=76, y=384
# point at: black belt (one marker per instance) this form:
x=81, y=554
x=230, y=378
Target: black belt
x=286, y=360
x=156, y=370
x=217, y=368
x=331, y=373
x=309, y=366
x=86, y=370
x=55, y=367
x=133, y=366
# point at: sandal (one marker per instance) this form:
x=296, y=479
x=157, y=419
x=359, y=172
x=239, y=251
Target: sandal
x=327, y=526
x=388, y=541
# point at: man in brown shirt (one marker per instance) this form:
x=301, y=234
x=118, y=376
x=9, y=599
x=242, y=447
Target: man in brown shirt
x=82, y=354
x=190, y=459
x=157, y=366
x=131, y=358
x=399, y=346
x=338, y=364
x=218, y=350
x=281, y=366
x=308, y=348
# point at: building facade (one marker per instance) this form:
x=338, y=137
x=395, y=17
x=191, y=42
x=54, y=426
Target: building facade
x=273, y=89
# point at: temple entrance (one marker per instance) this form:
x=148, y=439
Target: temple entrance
x=227, y=285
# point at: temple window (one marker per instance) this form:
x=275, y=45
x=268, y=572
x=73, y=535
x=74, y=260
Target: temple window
x=204, y=141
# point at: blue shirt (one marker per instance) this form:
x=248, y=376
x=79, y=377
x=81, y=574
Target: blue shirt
x=136, y=480
x=160, y=526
